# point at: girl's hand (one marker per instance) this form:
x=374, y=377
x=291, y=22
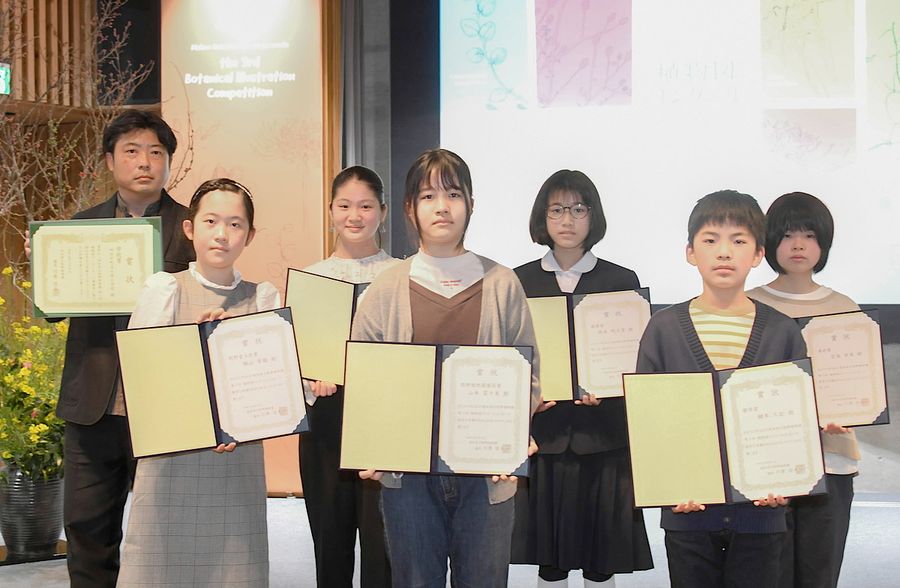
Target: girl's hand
x=544, y=405
x=588, y=400
x=504, y=478
x=212, y=314
x=771, y=500
x=27, y=243
x=225, y=448
x=689, y=506
x=320, y=389
x=835, y=429
x=532, y=446
x=370, y=475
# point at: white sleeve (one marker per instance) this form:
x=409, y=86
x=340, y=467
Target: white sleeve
x=267, y=297
x=156, y=303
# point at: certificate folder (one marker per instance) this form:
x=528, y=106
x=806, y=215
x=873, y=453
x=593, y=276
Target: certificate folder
x=92, y=267
x=196, y=386
x=587, y=341
x=441, y=409
x=323, y=311
x=848, y=367
x=724, y=437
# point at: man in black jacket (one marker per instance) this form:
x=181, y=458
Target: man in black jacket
x=98, y=462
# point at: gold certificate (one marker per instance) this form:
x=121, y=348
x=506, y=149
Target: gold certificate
x=724, y=437
x=236, y=379
x=485, y=407
x=166, y=391
x=674, y=439
x=92, y=267
x=848, y=368
x=323, y=311
x=453, y=409
x=608, y=329
x=388, y=407
x=552, y=332
x=771, y=430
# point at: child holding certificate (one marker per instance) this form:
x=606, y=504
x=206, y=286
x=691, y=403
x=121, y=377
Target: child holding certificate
x=579, y=513
x=339, y=502
x=445, y=295
x=735, y=544
x=202, y=513
x=799, y=233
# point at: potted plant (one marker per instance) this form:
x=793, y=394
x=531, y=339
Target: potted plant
x=31, y=435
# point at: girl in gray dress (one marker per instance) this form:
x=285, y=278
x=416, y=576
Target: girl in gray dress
x=199, y=518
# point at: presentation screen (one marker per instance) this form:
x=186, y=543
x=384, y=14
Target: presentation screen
x=662, y=102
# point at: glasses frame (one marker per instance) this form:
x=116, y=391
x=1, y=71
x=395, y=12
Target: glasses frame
x=568, y=209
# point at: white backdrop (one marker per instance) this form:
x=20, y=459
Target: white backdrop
x=661, y=102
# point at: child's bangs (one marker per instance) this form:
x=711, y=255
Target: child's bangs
x=447, y=176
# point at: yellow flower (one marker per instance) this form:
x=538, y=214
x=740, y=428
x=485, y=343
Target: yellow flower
x=26, y=284
x=7, y=271
x=2, y=301
x=6, y=455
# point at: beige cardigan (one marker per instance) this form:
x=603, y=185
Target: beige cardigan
x=384, y=314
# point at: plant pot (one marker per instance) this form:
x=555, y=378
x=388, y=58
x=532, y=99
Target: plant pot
x=30, y=515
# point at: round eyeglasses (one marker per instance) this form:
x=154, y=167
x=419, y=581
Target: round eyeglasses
x=556, y=211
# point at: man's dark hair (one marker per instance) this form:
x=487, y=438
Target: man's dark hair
x=728, y=207
x=131, y=120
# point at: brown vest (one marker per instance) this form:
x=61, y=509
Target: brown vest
x=440, y=320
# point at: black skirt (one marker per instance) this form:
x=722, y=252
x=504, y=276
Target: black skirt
x=575, y=512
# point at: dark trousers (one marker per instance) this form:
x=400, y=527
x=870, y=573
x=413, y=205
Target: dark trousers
x=99, y=470
x=817, y=531
x=723, y=559
x=338, y=504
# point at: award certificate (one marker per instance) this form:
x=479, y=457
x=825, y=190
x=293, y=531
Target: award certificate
x=771, y=430
x=456, y=409
x=608, y=329
x=92, y=267
x=483, y=409
x=848, y=368
x=235, y=379
x=724, y=437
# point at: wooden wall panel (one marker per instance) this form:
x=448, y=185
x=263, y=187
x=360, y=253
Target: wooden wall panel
x=48, y=44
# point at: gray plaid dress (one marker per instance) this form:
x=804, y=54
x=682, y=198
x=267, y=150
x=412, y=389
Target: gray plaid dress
x=199, y=518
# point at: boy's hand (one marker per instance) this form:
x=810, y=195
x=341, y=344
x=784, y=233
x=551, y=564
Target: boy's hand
x=689, y=506
x=321, y=389
x=532, y=446
x=225, y=448
x=370, y=475
x=504, y=478
x=772, y=501
x=588, y=400
x=27, y=243
x=212, y=314
x=835, y=429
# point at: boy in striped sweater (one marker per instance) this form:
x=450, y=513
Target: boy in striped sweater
x=722, y=545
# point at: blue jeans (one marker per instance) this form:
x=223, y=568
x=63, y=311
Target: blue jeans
x=432, y=518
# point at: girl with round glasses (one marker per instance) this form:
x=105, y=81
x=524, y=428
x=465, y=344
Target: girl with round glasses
x=579, y=511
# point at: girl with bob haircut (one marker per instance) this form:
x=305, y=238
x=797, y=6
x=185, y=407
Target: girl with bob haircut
x=202, y=488
x=445, y=294
x=799, y=234
x=339, y=503
x=578, y=513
